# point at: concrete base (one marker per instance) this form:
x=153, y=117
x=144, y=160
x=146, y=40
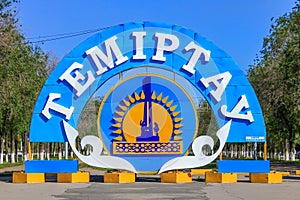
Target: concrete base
x=200, y=171
x=119, y=177
x=21, y=177
x=78, y=177
x=176, y=177
x=272, y=177
x=215, y=177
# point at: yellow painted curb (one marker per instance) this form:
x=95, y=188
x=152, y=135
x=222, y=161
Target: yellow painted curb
x=200, y=171
x=176, y=177
x=272, y=177
x=215, y=177
x=78, y=177
x=21, y=177
x=119, y=177
x=285, y=173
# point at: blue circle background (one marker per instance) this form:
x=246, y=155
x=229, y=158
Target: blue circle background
x=159, y=84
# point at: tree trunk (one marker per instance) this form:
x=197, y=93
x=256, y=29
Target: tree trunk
x=12, y=154
x=275, y=155
x=66, y=150
x=293, y=154
x=16, y=147
x=231, y=150
x=235, y=151
x=6, y=149
x=59, y=151
x=25, y=157
x=54, y=149
x=38, y=151
x=71, y=154
x=47, y=149
x=32, y=151
x=2, y=150
x=238, y=148
x=287, y=150
x=42, y=150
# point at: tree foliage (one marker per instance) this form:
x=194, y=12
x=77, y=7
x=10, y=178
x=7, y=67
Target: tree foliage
x=22, y=73
x=275, y=78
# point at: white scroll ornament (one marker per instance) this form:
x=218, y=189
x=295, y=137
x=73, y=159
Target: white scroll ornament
x=199, y=159
x=95, y=158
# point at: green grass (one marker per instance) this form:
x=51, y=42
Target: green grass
x=212, y=165
x=285, y=161
x=5, y=165
x=83, y=165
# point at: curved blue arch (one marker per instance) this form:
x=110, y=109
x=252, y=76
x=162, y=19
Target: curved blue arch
x=50, y=130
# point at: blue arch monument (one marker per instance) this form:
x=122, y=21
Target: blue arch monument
x=147, y=120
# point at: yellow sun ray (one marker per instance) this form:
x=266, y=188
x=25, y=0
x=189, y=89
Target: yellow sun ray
x=120, y=138
x=119, y=131
x=165, y=99
x=124, y=108
x=178, y=120
x=117, y=119
x=142, y=95
x=159, y=97
x=169, y=103
x=177, y=132
x=175, y=114
x=136, y=96
x=131, y=99
x=177, y=138
x=153, y=95
x=127, y=103
x=117, y=125
x=178, y=125
x=121, y=114
x=173, y=108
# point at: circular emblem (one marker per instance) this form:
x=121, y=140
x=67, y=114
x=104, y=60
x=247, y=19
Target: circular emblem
x=150, y=116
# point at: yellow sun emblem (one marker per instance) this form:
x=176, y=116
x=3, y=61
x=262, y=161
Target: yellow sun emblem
x=134, y=110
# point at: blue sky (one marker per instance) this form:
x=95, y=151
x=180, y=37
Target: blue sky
x=238, y=27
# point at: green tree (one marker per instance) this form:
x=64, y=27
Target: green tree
x=22, y=73
x=275, y=78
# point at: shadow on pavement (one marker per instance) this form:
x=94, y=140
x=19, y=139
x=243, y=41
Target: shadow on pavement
x=6, y=177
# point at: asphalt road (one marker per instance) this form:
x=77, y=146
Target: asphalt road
x=149, y=187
